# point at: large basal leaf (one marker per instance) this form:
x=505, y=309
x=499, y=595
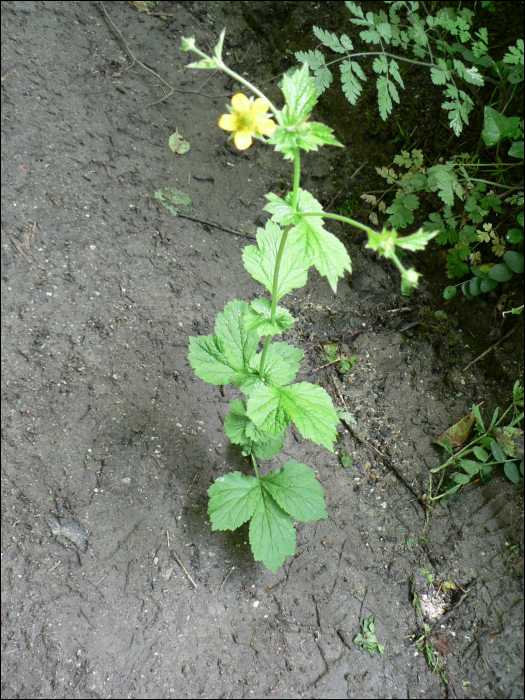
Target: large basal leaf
x=309, y=406
x=233, y=500
x=260, y=261
x=272, y=533
x=297, y=491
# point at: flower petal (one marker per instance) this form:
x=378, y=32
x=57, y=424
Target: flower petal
x=240, y=102
x=242, y=140
x=266, y=127
x=228, y=122
x=260, y=106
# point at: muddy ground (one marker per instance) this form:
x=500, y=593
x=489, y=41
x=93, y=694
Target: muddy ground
x=110, y=443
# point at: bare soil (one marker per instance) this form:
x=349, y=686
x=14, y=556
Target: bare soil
x=110, y=443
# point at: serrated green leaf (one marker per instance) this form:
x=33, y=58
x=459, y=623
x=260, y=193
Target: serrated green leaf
x=258, y=318
x=295, y=488
x=440, y=73
x=299, y=91
x=260, y=260
x=401, y=210
x=233, y=500
x=241, y=431
x=515, y=54
x=444, y=180
x=210, y=358
x=281, y=364
x=309, y=406
x=235, y=423
x=272, y=533
x=317, y=246
x=268, y=449
x=351, y=74
x=229, y=326
x=328, y=39
x=416, y=241
x=224, y=357
x=318, y=135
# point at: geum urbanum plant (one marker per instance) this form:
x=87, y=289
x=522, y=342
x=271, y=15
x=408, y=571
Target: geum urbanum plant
x=292, y=241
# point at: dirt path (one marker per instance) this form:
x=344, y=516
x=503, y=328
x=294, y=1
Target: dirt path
x=110, y=443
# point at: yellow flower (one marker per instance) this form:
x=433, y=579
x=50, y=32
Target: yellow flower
x=247, y=119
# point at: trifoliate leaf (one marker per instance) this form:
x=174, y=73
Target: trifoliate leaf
x=272, y=533
x=317, y=246
x=224, y=357
x=309, y=406
x=258, y=318
x=295, y=488
x=233, y=500
x=260, y=260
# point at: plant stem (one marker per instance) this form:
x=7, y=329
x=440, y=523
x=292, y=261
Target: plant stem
x=245, y=82
x=255, y=467
x=295, y=194
x=344, y=219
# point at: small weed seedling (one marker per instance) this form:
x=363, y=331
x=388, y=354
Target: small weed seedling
x=366, y=640
x=292, y=240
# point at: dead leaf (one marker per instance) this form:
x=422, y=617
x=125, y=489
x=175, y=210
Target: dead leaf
x=141, y=6
x=177, y=144
x=458, y=433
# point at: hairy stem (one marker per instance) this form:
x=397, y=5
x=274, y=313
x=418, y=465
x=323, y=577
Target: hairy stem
x=255, y=467
x=345, y=219
x=295, y=194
